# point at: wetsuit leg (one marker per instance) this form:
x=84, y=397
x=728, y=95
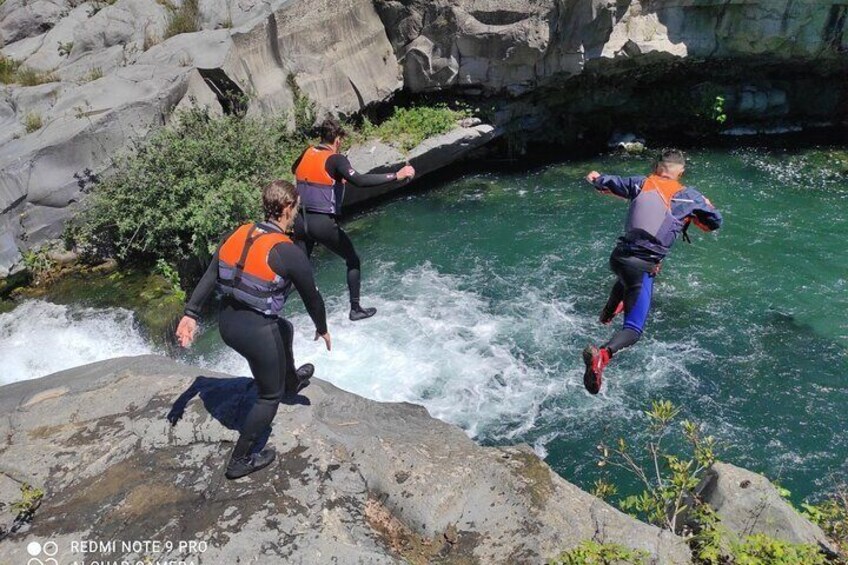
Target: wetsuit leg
x=301, y=235
x=324, y=229
x=259, y=340
x=287, y=333
x=635, y=277
x=615, y=297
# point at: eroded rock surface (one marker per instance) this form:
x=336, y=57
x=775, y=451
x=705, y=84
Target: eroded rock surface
x=348, y=54
x=356, y=481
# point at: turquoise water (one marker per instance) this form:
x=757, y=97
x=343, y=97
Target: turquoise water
x=748, y=333
x=488, y=287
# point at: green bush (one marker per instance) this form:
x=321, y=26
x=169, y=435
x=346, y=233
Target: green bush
x=182, y=189
x=594, y=553
x=831, y=515
x=760, y=549
x=407, y=127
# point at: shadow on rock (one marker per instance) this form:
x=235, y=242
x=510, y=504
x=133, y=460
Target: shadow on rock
x=228, y=401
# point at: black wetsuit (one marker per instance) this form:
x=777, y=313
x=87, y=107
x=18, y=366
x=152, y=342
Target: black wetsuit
x=314, y=227
x=265, y=341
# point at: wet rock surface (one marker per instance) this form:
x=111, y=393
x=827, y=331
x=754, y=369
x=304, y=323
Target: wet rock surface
x=355, y=481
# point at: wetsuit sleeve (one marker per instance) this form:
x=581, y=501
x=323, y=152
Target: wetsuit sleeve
x=339, y=167
x=203, y=290
x=625, y=187
x=291, y=262
x=698, y=208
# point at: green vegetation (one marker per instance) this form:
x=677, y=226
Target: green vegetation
x=176, y=196
x=831, y=515
x=668, y=482
x=23, y=509
x=12, y=72
x=718, y=113
x=667, y=479
x=407, y=127
x=37, y=263
x=304, y=112
x=185, y=19
x=29, y=502
x=172, y=275
x=594, y=553
x=33, y=122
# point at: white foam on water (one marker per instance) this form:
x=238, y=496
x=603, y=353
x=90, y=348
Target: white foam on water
x=432, y=343
x=38, y=338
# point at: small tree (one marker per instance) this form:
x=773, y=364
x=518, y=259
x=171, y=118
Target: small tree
x=668, y=479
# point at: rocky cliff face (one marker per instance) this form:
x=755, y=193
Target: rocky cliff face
x=579, y=65
x=356, y=481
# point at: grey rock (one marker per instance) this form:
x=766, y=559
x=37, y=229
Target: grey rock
x=432, y=154
x=356, y=481
x=747, y=503
x=42, y=174
x=20, y=19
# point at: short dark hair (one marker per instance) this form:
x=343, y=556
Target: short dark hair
x=276, y=197
x=672, y=157
x=330, y=129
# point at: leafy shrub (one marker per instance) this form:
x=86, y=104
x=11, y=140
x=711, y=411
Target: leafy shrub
x=667, y=479
x=184, y=188
x=760, y=549
x=185, y=19
x=594, y=553
x=831, y=515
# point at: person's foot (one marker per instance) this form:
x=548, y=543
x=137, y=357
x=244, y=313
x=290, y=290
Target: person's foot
x=607, y=315
x=360, y=313
x=304, y=373
x=596, y=360
x=243, y=466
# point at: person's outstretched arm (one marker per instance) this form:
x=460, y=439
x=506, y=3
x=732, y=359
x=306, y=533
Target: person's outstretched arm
x=290, y=261
x=700, y=210
x=625, y=187
x=339, y=167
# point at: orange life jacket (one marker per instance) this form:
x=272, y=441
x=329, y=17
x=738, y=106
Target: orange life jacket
x=650, y=214
x=319, y=192
x=244, y=273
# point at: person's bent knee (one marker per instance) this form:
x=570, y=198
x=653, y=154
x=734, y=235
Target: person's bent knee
x=271, y=397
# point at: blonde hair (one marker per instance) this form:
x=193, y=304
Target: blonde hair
x=277, y=196
x=671, y=162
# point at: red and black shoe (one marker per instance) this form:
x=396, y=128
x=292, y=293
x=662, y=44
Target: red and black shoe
x=596, y=361
x=607, y=315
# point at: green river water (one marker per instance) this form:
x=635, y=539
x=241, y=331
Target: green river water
x=488, y=287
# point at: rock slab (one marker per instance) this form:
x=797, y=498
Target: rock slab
x=356, y=481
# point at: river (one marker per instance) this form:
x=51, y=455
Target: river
x=488, y=287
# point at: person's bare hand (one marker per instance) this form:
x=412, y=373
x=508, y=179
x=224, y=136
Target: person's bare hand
x=326, y=338
x=407, y=172
x=186, y=330
x=593, y=176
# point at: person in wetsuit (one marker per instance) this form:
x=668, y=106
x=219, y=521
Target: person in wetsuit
x=321, y=173
x=661, y=208
x=255, y=269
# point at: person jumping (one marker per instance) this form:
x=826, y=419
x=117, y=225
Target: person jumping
x=661, y=209
x=321, y=173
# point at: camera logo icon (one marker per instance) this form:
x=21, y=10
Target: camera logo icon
x=42, y=554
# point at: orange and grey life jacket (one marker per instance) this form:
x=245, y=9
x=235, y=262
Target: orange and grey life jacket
x=319, y=192
x=650, y=222
x=244, y=273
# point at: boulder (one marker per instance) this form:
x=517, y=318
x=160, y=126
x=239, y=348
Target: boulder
x=44, y=173
x=355, y=481
x=432, y=154
x=748, y=503
x=20, y=19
